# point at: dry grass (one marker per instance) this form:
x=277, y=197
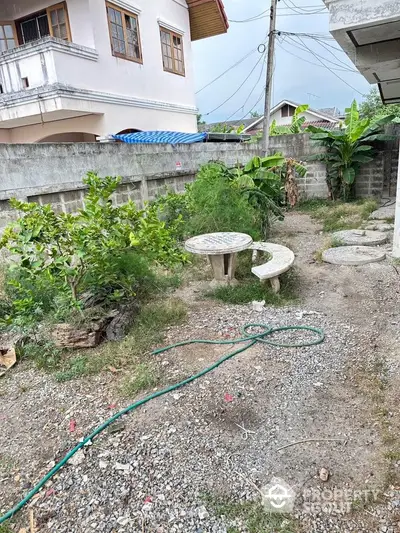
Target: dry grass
x=336, y=216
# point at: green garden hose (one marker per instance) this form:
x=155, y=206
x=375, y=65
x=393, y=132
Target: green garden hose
x=251, y=340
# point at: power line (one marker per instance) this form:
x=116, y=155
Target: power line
x=238, y=89
x=303, y=7
x=333, y=72
x=228, y=70
x=301, y=10
x=315, y=54
x=256, y=17
x=332, y=54
x=264, y=14
x=320, y=36
x=249, y=95
x=311, y=62
x=330, y=46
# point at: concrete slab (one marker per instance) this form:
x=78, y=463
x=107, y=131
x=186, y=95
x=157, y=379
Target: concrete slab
x=353, y=255
x=383, y=213
x=380, y=227
x=360, y=237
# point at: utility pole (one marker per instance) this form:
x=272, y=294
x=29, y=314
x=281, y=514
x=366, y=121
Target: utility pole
x=270, y=70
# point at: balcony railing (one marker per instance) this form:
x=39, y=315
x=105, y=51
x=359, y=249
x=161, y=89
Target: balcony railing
x=41, y=63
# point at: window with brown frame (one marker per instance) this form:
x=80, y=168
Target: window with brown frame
x=124, y=33
x=8, y=38
x=172, y=51
x=51, y=21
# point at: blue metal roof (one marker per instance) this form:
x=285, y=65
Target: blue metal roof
x=161, y=137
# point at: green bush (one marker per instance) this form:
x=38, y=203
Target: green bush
x=217, y=204
x=173, y=209
x=103, y=250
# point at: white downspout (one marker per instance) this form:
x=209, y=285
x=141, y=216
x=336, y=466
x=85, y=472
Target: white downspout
x=396, y=239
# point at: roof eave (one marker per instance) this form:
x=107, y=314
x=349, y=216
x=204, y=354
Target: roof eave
x=207, y=18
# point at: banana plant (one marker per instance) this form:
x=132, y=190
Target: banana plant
x=348, y=148
x=296, y=125
x=269, y=182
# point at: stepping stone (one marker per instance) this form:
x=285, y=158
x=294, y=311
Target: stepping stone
x=353, y=255
x=380, y=227
x=360, y=237
x=383, y=213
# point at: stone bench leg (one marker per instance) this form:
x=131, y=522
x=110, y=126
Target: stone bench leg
x=275, y=284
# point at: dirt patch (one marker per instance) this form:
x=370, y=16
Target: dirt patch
x=223, y=434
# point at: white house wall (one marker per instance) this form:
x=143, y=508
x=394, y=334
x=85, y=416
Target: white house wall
x=282, y=121
x=112, y=119
x=107, y=75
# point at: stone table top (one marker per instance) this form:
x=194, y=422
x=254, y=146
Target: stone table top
x=218, y=243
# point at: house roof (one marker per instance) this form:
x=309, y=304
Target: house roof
x=319, y=114
x=207, y=18
x=230, y=123
x=321, y=124
x=332, y=111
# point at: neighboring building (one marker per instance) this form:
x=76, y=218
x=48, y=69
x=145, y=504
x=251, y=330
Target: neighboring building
x=86, y=68
x=368, y=31
x=284, y=111
x=282, y=114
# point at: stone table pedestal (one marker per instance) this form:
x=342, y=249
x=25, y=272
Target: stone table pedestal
x=221, y=250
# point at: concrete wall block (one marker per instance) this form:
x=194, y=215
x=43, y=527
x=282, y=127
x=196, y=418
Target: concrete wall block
x=52, y=198
x=52, y=173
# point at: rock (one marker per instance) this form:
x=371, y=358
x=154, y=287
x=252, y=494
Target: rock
x=68, y=336
x=324, y=474
x=122, y=322
x=203, y=513
x=103, y=464
x=122, y=468
x=380, y=227
x=116, y=427
x=123, y=521
x=77, y=459
x=258, y=306
x=383, y=213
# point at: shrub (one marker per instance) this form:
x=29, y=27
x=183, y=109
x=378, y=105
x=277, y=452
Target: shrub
x=173, y=209
x=103, y=249
x=349, y=148
x=217, y=204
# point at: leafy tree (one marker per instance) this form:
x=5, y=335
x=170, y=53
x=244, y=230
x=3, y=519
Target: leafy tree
x=225, y=128
x=373, y=107
x=76, y=253
x=255, y=114
x=200, y=121
x=348, y=149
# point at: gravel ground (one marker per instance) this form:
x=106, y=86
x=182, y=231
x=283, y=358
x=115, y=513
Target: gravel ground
x=221, y=436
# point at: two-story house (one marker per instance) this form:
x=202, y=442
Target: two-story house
x=81, y=68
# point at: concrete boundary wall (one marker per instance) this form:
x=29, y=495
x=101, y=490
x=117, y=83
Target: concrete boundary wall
x=52, y=173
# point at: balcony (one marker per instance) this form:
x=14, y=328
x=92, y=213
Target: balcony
x=369, y=32
x=42, y=80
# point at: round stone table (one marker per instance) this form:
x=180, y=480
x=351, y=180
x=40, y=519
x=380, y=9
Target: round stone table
x=221, y=249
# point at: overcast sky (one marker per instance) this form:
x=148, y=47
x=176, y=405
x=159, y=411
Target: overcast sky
x=294, y=79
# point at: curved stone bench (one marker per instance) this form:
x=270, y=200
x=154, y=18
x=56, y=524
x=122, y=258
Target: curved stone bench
x=281, y=261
